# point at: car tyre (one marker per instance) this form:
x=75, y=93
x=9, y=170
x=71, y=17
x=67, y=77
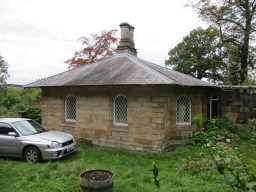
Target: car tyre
x=32, y=154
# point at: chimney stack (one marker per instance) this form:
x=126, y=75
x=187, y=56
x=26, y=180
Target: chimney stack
x=126, y=43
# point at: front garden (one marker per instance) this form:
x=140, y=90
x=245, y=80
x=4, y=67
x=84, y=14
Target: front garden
x=195, y=167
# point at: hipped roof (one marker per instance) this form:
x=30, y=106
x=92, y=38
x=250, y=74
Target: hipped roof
x=119, y=69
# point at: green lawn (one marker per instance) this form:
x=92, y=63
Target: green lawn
x=132, y=171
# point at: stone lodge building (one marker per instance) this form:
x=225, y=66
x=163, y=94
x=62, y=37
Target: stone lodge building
x=126, y=102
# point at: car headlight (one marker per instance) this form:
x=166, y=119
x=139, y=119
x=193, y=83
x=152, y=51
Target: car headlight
x=55, y=144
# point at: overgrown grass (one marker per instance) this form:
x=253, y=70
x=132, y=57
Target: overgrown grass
x=132, y=171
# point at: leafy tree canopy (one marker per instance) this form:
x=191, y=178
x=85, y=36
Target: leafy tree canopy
x=14, y=100
x=200, y=54
x=3, y=71
x=95, y=48
x=236, y=23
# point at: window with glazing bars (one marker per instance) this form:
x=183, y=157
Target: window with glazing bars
x=70, y=108
x=183, y=111
x=120, y=110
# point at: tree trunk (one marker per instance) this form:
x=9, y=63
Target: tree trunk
x=245, y=46
x=244, y=63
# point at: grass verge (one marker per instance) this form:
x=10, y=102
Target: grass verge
x=132, y=171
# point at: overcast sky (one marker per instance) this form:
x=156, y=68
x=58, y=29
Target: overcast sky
x=37, y=36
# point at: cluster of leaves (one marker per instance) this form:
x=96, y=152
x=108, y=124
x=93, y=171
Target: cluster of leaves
x=225, y=51
x=246, y=131
x=235, y=21
x=226, y=161
x=16, y=101
x=195, y=165
x=236, y=173
x=3, y=71
x=33, y=113
x=252, y=128
x=217, y=130
x=155, y=176
x=95, y=48
x=200, y=55
x=198, y=121
x=219, y=152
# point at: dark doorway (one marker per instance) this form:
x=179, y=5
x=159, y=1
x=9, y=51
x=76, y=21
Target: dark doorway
x=213, y=107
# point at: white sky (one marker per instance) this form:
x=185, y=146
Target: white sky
x=37, y=36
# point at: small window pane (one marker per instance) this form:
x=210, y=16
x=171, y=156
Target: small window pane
x=120, y=110
x=183, y=110
x=70, y=108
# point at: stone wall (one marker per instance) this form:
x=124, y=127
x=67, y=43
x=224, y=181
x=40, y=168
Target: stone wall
x=239, y=103
x=179, y=134
x=151, y=115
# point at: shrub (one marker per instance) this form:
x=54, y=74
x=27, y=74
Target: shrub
x=252, y=124
x=33, y=113
x=217, y=130
x=155, y=176
x=252, y=128
x=198, y=121
x=197, y=165
x=220, y=154
x=236, y=173
x=3, y=111
x=14, y=99
x=246, y=131
x=225, y=160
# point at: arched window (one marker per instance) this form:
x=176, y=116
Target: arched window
x=183, y=111
x=70, y=108
x=120, y=111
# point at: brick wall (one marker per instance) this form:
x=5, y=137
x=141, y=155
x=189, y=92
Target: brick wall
x=151, y=115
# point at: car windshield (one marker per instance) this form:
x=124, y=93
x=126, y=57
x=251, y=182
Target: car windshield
x=28, y=127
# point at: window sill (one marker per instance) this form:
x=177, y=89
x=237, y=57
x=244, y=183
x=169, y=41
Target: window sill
x=121, y=124
x=120, y=127
x=69, y=123
x=183, y=124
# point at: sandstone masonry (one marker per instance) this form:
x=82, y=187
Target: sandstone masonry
x=151, y=115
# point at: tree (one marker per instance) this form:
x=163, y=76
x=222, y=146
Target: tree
x=3, y=71
x=3, y=77
x=232, y=75
x=96, y=47
x=200, y=54
x=17, y=100
x=236, y=22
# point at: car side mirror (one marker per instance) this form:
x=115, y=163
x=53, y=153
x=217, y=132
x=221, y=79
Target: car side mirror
x=13, y=134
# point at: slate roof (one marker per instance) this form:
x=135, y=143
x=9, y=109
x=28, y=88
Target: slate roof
x=120, y=69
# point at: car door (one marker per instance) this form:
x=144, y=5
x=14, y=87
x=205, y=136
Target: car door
x=9, y=145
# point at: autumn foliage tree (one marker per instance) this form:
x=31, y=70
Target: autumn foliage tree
x=96, y=47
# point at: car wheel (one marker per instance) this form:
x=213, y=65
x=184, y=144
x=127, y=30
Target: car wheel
x=32, y=155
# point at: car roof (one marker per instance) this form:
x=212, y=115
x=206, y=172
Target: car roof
x=12, y=120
